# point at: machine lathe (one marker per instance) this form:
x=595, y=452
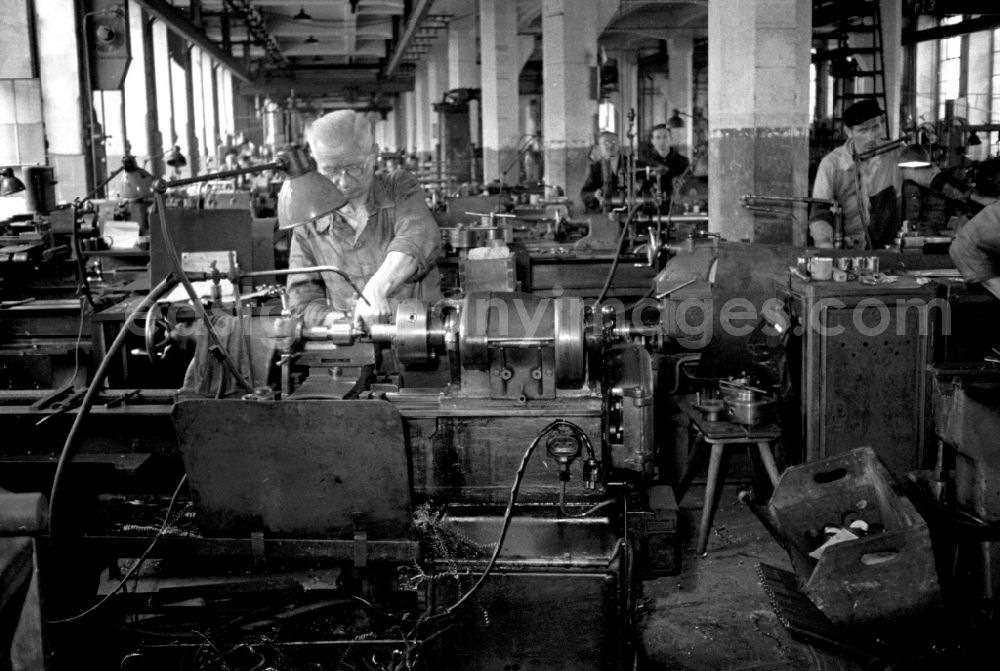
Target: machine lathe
x=420, y=494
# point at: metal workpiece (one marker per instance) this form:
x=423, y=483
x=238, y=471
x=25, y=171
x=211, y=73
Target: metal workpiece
x=412, y=336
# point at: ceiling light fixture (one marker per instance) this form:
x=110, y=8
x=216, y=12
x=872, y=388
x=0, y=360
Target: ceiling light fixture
x=311, y=40
x=302, y=16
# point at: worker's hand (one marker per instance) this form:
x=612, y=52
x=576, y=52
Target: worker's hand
x=599, y=197
x=374, y=311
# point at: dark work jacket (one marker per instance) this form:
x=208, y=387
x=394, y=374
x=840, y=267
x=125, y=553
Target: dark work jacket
x=596, y=180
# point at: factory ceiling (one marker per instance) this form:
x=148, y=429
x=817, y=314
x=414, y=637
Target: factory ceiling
x=346, y=51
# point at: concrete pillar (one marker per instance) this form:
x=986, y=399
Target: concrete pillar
x=153, y=136
x=500, y=58
x=407, y=98
x=62, y=107
x=569, y=52
x=422, y=111
x=758, y=78
x=892, y=57
x=437, y=84
x=135, y=89
x=463, y=70
x=680, y=90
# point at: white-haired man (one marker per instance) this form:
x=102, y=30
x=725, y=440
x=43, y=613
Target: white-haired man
x=384, y=238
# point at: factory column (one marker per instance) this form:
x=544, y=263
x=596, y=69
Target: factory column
x=437, y=84
x=758, y=113
x=892, y=55
x=463, y=72
x=423, y=111
x=407, y=100
x=680, y=91
x=569, y=53
x=500, y=58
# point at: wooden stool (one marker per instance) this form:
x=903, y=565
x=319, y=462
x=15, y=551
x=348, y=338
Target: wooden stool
x=714, y=437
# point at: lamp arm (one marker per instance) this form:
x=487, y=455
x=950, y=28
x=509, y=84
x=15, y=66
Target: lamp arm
x=107, y=180
x=162, y=185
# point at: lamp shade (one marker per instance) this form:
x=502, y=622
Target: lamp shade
x=914, y=156
x=974, y=140
x=135, y=184
x=307, y=197
x=9, y=184
x=676, y=121
x=175, y=158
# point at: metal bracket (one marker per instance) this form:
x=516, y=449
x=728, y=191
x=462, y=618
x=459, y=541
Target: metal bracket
x=257, y=548
x=360, y=549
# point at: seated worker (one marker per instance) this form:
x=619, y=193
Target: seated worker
x=867, y=191
x=605, y=175
x=384, y=238
x=976, y=247
x=664, y=165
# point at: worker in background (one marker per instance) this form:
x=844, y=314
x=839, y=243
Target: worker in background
x=867, y=190
x=384, y=238
x=606, y=174
x=663, y=165
x=976, y=247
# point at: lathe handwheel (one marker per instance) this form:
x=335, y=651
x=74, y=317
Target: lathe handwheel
x=158, y=334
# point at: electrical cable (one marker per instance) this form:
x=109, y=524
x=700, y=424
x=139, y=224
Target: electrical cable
x=507, y=517
x=79, y=339
x=138, y=562
x=586, y=513
x=618, y=252
x=72, y=439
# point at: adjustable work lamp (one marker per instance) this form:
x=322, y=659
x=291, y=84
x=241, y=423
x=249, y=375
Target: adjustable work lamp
x=305, y=196
x=9, y=183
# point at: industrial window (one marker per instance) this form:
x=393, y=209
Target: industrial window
x=949, y=67
x=994, y=137
x=607, y=117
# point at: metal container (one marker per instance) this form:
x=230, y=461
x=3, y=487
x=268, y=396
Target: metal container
x=745, y=404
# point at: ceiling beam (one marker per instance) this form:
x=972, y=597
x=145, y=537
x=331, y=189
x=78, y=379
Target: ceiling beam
x=420, y=11
x=321, y=87
x=943, y=32
x=187, y=30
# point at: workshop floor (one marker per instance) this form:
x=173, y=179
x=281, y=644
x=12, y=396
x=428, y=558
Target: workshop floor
x=715, y=615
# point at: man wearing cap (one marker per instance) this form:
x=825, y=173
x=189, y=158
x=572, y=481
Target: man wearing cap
x=868, y=190
x=384, y=238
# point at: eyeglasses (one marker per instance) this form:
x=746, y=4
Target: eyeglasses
x=354, y=171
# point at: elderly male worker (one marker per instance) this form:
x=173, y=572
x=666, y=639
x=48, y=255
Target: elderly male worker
x=867, y=190
x=384, y=238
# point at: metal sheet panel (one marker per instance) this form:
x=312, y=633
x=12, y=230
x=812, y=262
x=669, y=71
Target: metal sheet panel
x=308, y=468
